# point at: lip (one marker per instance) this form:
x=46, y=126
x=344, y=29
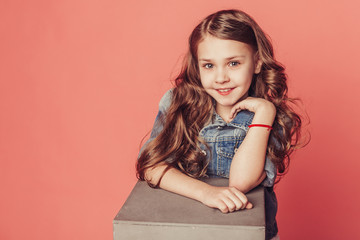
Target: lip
x=223, y=92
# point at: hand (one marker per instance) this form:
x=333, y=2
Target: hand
x=256, y=105
x=226, y=199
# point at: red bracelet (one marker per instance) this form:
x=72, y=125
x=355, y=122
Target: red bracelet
x=261, y=125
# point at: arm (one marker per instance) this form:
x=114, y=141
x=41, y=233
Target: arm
x=247, y=167
x=226, y=199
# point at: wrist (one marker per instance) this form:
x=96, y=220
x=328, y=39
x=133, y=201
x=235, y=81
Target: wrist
x=267, y=107
x=265, y=114
x=203, y=192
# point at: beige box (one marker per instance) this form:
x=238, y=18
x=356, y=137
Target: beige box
x=161, y=215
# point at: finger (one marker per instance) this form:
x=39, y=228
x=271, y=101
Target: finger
x=222, y=207
x=241, y=196
x=232, y=115
x=235, y=199
x=249, y=205
x=231, y=206
x=234, y=110
x=236, y=107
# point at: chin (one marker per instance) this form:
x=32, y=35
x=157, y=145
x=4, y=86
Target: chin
x=228, y=102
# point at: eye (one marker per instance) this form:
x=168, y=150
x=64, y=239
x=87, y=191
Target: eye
x=208, y=65
x=233, y=63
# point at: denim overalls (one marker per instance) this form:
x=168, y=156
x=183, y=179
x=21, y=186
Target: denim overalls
x=224, y=139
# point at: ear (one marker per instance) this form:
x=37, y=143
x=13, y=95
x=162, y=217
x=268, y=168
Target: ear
x=258, y=63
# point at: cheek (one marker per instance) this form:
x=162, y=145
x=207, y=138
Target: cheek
x=243, y=75
x=204, y=80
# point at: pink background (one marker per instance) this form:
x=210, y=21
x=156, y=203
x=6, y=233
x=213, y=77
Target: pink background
x=80, y=81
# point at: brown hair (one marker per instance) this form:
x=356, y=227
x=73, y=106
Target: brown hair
x=177, y=145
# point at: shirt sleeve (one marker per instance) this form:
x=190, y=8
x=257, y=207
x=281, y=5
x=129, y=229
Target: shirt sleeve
x=270, y=170
x=164, y=105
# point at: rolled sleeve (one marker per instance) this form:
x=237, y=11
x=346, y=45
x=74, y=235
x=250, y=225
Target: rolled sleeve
x=270, y=170
x=164, y=105
x=270, y=167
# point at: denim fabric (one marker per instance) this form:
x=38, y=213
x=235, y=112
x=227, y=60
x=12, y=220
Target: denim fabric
x=223, y=139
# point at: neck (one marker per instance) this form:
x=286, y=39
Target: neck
x=224, y=112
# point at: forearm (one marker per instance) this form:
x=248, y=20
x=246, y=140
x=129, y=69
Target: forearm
x=226, y=199
x=177, y=182
x=247, y=167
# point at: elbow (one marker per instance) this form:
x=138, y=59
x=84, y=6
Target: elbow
x=154, y=175
x=149, y=178
x=242, y=186
x=246, y=184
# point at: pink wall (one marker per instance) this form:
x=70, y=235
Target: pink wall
x=79, y=86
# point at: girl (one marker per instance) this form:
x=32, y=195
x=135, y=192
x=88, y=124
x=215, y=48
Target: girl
x=228, y=115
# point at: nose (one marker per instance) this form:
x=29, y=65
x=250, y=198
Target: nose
x=222, y=76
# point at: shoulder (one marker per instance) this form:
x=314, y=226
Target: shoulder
x=165, y=101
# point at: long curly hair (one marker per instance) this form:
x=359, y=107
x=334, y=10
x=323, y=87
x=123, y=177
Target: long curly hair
x=191, y=108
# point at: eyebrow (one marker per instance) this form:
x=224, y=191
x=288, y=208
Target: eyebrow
x=229, y=58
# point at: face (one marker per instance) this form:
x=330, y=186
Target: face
x=226, y=70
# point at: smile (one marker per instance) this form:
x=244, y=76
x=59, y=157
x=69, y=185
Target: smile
x=224, y=91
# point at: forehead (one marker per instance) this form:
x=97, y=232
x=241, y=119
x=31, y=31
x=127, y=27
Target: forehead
x=216, y=48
